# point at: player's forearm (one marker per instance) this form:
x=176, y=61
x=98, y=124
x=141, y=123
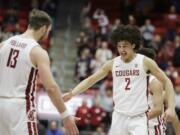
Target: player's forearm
x=83, y=86
x=154, y=112
x=170, y=94
x=56, y=98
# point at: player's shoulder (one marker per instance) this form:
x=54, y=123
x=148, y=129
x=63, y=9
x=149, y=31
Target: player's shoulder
x=38, y=51
x=38, y=54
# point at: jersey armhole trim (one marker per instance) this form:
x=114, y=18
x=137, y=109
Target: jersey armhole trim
x=30, y=57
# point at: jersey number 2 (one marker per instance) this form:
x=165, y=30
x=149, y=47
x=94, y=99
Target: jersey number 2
x=127, y=80
x=12, y=60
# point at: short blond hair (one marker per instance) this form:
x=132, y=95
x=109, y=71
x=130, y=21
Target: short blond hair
x=39, y=18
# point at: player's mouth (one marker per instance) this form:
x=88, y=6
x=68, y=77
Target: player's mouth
x=123, y=54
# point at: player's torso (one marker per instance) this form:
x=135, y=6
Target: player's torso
x=16, y=68
x=130, y=86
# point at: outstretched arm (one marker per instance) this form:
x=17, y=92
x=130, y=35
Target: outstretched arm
x=40, y=59
x=90, y=81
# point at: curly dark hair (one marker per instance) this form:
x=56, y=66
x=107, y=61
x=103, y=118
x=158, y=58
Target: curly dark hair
x=127, y=33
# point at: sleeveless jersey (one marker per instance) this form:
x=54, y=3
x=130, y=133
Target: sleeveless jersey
x=129, y=86
x=17, y=73
x=158, y=120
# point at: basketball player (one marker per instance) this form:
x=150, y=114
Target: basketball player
x=156, y=125
x=155, y=99
x=21, y=57
x=129, y=71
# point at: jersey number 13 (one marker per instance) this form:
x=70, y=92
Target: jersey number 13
x=12, y=59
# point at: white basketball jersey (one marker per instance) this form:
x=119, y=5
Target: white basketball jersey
x=158, y=120
x=130, y=86
x=17, y=73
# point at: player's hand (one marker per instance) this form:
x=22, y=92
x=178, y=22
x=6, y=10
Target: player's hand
x=67, y=96
x=70, y=126
x=169, y=114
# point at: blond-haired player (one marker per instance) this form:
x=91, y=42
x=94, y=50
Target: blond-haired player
x=21, y=57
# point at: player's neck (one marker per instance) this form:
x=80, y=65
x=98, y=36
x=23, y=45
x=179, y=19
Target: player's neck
x=31, y=34
x=130, y=58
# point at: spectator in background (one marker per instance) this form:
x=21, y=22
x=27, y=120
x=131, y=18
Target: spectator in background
x=176, y=57
x=176, y=3
x=147, y=31
x=87, y=27
x=106, y=102
x=165, y=55
x=171, y=23
x=53, y=130
x=171, y=72
x=103, y=21
x=128, y=7
x=97, y=115
x=81, y=42
x=95, y=64
x=156, y=43
x=103, y=53
x=117, y=23
x=83, y=113
x=5, y=34
x=85, y=12
x=131, y=20
x=82, y=69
